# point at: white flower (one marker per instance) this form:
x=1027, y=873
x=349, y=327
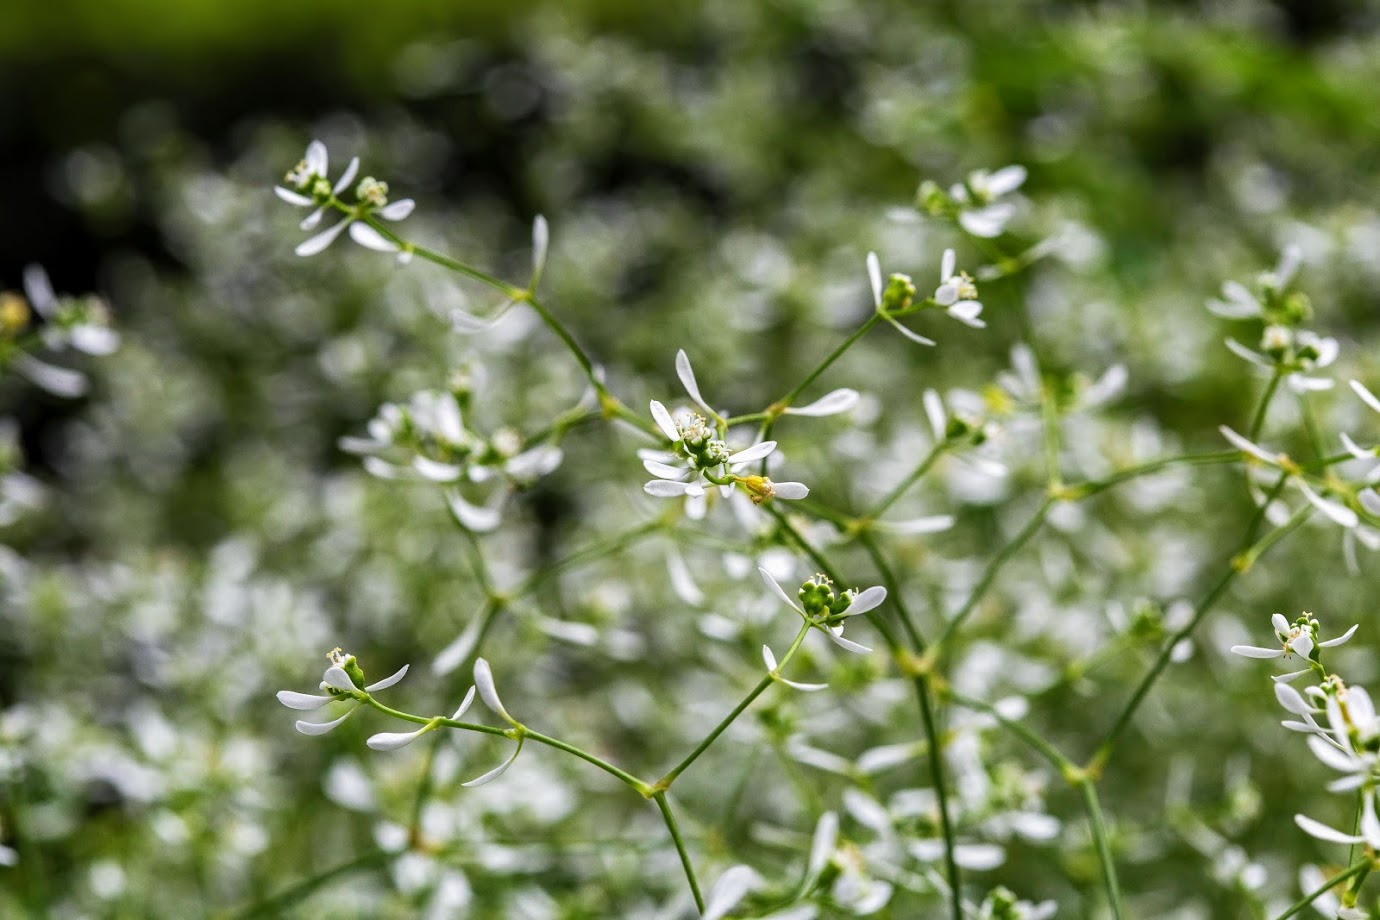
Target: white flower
x=308, y=186
x=1240, y=303
x=339, y=686
x=391, y=741
x=468, y=324
x=729, y=889
x=1335, y=510
x=980, y=213
x=82, y=323
x=897, y=295
x=958, y=294
x=822, y=608
x=1297, y=638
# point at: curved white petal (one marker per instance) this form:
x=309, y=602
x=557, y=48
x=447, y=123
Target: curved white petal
x=464, y=706
x=832, y=403
x=664, y=421
x=665, y=470
x=1366, y=395
x=874, y=276
x=497, y=771
x=348, y=176
x=920, y=525
x=469, y=324
x=777, y=589
x=1006, y=180
x=913, y=336
x=59, y=381
x=1338, y=512
x=484, y=682
x=822, y=843
x=388, y=681
x=934, y=411
x=947, y=264
x=477, y=518
x=315, y=244
x=1292, y=700
x=94, y=340
x=453, y=655
x=790, y=490
x=867, y=600
x=391, y=741
x=312, y=220
x=541, y=240
x=320, y=728
x=317, y=161
x=1356, y=450
x=369, y=238
x=291, y=197
x=1280, y=624
x=1333, y=643
x=397, y=210
x=1251, y=651
x=730, y=888
x=687, y=378
x=1246, y=446
x=337, y=678
x=303, y=701
x=837, y=638
x=435, y=470
x=666, y=488
x=749, y=454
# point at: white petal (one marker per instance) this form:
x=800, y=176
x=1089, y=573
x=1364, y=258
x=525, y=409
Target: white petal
x=664, y=421
x=947, y=264
x=484, y=681
x=337, y=678
x=317, y=161
x=682, y=581
x=874, y=274
x=1005, y=180
x=833, y=403
x=464, y=706
x=1328, y=754
x=397, y=210
x=665, y=470
x=777, y=590
x=1292, y=700
x=1237, y=293
x=1302, y=645
x=56, y=380
x=346, y=177
x=838, y=639
x=1301, y=383
x=749, y=454
x=1366, y=395
x=388, y=681
x=913, y=336
x=1233, y=309
x=391, y=741
x=497, y=771
x=967, y=312
x=1251, y=651
x=920, y=525
x=369, y=238
x=934, y=411
x=769, y=658
x=1356, y=450
x=946, y=295
x=453, y=655
x=790, y=490
x=979, y=856
x=1249, y=447
x=326, y=237
x=477, y=518
x=303, y=701
x=1335, y=510
x=1292, y=675
x=94, y=340
x=987, y=222
x=1241, y=351
x=435, y=470
x=312, y=220
x=822, y=844
x=1333, y=643
x=665, y=488
x=541, y=239
x=1370, y=500
x=1280, y=624
x=320, y=728
x=867, y=600
x=731, y=888
x=291, y=197
x=468, y=324
x=1290, y=258
x=1370, y=825
x=687, y=379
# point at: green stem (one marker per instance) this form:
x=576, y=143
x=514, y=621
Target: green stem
x=1022, y=731
x=1344, y=876
x=914, y=477
x=1094, y=486
x=292, y=895
x=670, y=819
x=1104, y=848
x=414, y=826
x=994, y=567
x=1239, y=564
x=1258, y=421
x=762, y=685
x=833, y=356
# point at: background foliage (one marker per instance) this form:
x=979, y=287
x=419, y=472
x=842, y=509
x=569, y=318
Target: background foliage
x=714, y=174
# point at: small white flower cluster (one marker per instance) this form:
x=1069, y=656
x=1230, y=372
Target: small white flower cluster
x=77, y=323
x=427, y=439
x=343, y=681
x=699, y=456
x=1285, y=349
x=957, y=294
x=825, y=610
x=1348, y=740
x=976, y=204
x=308, y=185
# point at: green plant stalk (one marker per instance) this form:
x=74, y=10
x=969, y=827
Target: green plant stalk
x=669, y=817
x=1103, y=843
x=1258, y=420
x=275, y=904
x=900, y=488
x=1346, y=875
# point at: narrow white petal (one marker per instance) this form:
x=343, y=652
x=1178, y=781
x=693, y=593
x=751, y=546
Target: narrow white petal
x=1292, y=700
x=1333, y=643
x=1241, y=351
x=454, y=655
x=987, y=222
x=477, y=518
x=59, y=381
x=1280, y=624
x=920, y=525
x=979, y=857
x=1251, y=651
x=790, y=490
x=541, y=239
x=317, y=161
x=484, y=681
x=291, y=197
x=326, y=237
x=913, y=336
x=469, y=324
x=497, y=771
x=1366, y=395
x=1249, y=447
x=397, y=210
x=1301, y=383
x=874, y=274
x=303, y=701
x=312, y=220
x=749, y=454
x=435, y=470
x=665, y=488
x=1006, y=180
x=967, y=312
x=391, y=741
x=1356, y=450
x=777, y=590
x=769, y=658
x=320, y=728
x=369, y=238
x=687, y=379
x=867, y=600
x=94, y=340
x=682, y=580
x=823, y=842
x=1347, y=784
x=838, y=639
x=1328, y=754
x=934, y=411
x=346, y=177
x=1370, y=500
x=388, y=681
x=947, y=264
x=1370, y=825
x=1323, y=832
x=464, y=706
x=664, y=421
x=730, y=888
x=665, y=470
x=1292, y=675
x=1338, y=512
x=1290, y=258
x=833, y=403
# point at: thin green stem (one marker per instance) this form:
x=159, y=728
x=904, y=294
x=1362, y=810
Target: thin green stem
x=414, y=826
x=279, y=902
x=1093, y=486
x=833, y=356
x=762, y=685
x=1345, y=875
x=1239, y=563
x=989, y=575
x=900, y=488
x=936, y=753
x=670, y=819
x=1104, y=848
x=1022, y=731
x=643, y=788
x=1258, y=420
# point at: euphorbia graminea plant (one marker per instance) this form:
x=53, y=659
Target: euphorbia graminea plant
x=926, y=838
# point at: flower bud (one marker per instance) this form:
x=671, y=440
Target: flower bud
x=898, y=294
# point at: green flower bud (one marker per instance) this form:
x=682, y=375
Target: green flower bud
x=898, y=293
